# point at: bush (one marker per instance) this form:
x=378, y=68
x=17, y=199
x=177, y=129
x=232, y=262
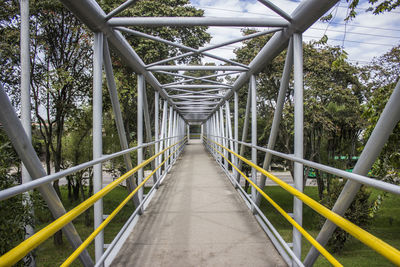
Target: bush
x=358, y=212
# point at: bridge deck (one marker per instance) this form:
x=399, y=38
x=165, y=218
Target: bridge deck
x=197, y=219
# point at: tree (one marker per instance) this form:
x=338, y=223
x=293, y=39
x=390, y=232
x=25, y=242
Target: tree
x=60, y=70
x=14, y=214
x=332, y=101
x=377, y=7
x=382, y=76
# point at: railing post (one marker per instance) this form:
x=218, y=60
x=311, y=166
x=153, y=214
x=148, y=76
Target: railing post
x=169, y=134
x=222, y=135
x=253, y=90
x=97, y=138
x=29, y=259
x=174, y=139
x=218, y=132
x=156, y=131
x=140, y=92
x=229, y=130
x=217, y=156
x=244, y=131
x=236, y=130
x=298, y=138
x=188, y=132
x=163, y=132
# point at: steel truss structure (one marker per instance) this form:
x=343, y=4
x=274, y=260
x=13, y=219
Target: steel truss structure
x=184, y=103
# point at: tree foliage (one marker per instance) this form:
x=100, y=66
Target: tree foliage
x=14, y=215
x=376, y=7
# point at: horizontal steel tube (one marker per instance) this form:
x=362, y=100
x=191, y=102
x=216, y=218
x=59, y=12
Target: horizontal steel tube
x=391, y=188
x=158, y=39
x=12, y=191
x=201, y=50
x=191, y=78
x=195, y=96
x=198, y=21
x=197, y=86
x=192, y=67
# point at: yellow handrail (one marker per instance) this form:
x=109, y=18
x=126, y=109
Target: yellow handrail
x=17, y=253
x=314, y=242
x=368, y=239
x=88, y=240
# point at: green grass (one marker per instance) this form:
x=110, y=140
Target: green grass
x=385, y=225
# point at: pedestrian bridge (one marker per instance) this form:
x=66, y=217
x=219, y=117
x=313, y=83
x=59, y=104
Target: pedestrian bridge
x=196, y=212
x=197, y=219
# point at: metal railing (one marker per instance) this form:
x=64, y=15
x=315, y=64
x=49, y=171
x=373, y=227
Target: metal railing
x=17, y=253
x=368, y=239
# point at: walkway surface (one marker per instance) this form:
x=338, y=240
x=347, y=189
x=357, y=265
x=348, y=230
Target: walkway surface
x=197, y=219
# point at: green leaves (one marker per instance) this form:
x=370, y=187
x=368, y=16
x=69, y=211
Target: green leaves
x=383, y=6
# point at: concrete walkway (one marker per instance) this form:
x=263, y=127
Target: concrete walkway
x=197, y=219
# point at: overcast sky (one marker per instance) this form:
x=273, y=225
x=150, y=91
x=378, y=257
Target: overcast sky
x=363, y=38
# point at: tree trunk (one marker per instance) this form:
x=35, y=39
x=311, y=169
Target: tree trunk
x=75, y=188
x=69, y=186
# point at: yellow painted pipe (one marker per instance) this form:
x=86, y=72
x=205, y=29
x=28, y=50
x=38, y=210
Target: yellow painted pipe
x=88, y=240
x=368, y=239
x=17, y=253
x=314, y=242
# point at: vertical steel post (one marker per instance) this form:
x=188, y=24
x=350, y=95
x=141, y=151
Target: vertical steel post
x=211, y=132
x=147, y=124
x=188, y=132
x=226, y=133
x=244, y=131
x=218, y=132
x=173, y=135
x=112, y=89
x=236, y=130
x=277, y=114
x=140, y=88
x=229, y=130
x=214, y=134
x=156, y=131
x=29, y=259
x=222, y=135
x=97, y=138
x=298, y=138
x=383, y=128
x=169, y=133
x=163, y=131
x=253, y=135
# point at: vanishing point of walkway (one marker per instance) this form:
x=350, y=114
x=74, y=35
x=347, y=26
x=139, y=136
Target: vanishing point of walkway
x=197, y=219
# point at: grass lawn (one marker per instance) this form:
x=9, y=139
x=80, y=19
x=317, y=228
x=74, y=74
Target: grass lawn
x=385, y=225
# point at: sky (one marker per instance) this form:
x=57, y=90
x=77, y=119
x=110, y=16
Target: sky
x=363, y=38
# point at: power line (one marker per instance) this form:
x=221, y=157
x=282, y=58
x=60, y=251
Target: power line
x=336, y=23
x=351, y=41
x=368, y=34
